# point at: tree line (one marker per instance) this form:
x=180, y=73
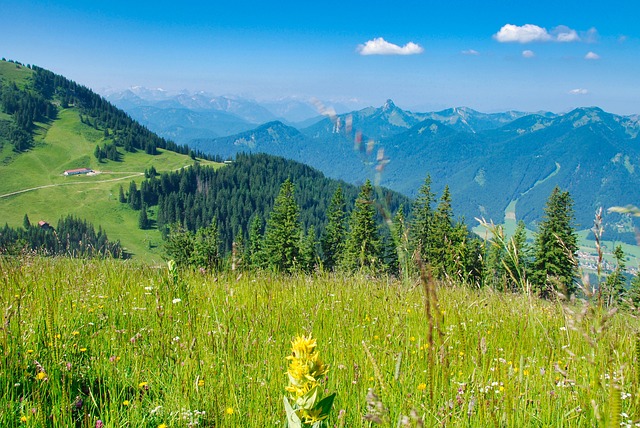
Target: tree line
x=366, y=233
x=71, y=237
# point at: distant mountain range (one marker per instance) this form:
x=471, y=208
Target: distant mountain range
x=184, y=116
x=488, y=160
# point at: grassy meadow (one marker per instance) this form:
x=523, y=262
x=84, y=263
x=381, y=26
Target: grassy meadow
x=67, y=143
x=131, y=345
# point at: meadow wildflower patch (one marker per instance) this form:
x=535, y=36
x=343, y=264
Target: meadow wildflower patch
x=492, y=358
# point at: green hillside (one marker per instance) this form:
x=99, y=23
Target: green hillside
x=33, y=181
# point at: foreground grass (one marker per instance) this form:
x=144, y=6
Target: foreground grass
x=133, y=346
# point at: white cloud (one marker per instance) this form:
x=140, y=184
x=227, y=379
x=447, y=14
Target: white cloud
x=579, y=91
x=380, y=46
x=562, y=33
x=525, y=34
x=592, y=55
x=529, y=33
x=590, y=36
x=470, y=52
x=528, y=54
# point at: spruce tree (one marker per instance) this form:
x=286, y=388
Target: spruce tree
x=26, y=223
x=206, y=247
x=439, y=240
x=363, y=247
x=333, y=238
x=556, y=246
x=615, y=283
x=255, y=254
x=308, y=250
x=422, y=219
x=143, y=219
x=283, y=232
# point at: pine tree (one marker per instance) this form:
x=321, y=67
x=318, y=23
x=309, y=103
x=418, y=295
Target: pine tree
x=206, y=247
x=333, y=238
x=255, y=254
x=363, y=247
x=26, y=223
x=615, y=283
x=422, y=219
x=143, y=219
x=556, y=247
x=439, y=240
x=308, y=250
x=121, y=197
x=283, y=232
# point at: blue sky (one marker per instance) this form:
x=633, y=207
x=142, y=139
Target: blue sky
x=425, y=55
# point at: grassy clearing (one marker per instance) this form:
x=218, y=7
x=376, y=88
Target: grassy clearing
x=67, y=143
x=15, y=73
x=126, y=344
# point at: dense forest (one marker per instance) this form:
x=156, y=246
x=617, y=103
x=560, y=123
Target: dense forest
x=72, y=237
x=240, y=192
x=46, y=92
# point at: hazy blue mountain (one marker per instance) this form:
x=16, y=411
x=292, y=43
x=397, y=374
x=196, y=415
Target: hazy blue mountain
x=183, y=125
x=593, y=154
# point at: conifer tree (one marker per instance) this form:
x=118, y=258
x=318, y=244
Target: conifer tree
x=283, y=232
x=308, y=250
x=255, y=254
x=439, y=240
x=26, y=223
x=143, y=219
x=206, y=247
x=363, y=247
x=615, y=283
x=556, y=247
x=422, y=219
x=333, y=238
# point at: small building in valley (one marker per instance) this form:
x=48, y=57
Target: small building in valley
x=78, y=171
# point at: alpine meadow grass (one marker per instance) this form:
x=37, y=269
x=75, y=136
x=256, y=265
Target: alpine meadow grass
x=113, y=344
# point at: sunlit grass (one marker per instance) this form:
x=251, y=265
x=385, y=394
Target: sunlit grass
x=126, y=344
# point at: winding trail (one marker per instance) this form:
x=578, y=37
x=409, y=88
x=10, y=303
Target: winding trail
x=132, y=174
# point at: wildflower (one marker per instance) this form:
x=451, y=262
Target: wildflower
x=75, y=333
x=162, y=426
x=422, y=386
x=413, y=339
x=126, y=403
x=99, y=424
x=229, y=411
x=29, y=351
x=23, y=418
x=305, y=372
x=83, y=349
x=176, y=300
x=142, y=384
x=41, y=376
x=201, y=382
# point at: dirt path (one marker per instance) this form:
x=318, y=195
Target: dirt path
x=137, y=174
